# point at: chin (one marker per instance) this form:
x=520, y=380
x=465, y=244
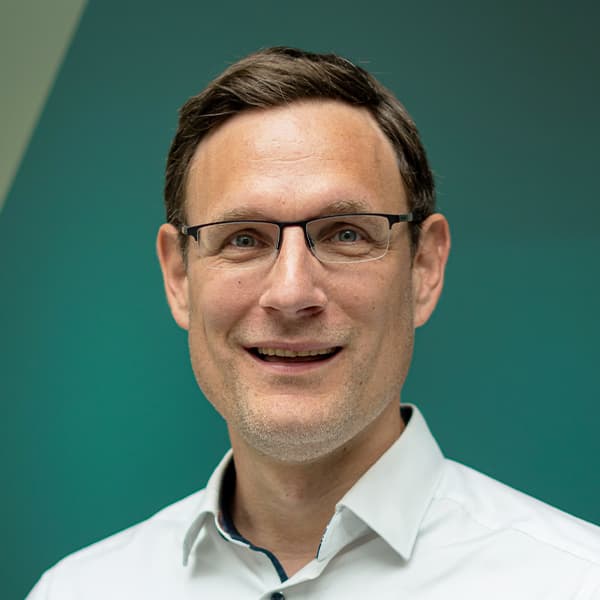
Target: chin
x=296, y=438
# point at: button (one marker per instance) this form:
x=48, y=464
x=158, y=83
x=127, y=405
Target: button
x=277, y=596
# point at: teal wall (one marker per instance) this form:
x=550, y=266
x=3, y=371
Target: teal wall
x=102, y=423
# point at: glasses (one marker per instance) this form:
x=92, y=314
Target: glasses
x=347, y=238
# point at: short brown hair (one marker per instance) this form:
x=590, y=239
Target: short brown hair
x=277, y=76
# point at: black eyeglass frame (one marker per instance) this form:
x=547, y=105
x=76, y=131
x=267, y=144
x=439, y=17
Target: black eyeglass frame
x=194, y=230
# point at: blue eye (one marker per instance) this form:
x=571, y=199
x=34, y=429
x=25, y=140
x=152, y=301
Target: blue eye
x=347, y=236
x=244, y=240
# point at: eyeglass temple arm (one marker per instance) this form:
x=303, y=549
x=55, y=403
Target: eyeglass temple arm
x=406, y=218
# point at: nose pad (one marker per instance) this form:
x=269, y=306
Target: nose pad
x=300, y=241
x=307, y=239
x=310, y=244
x=293, y=285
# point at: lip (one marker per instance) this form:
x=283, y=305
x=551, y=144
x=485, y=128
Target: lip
x=293, y=368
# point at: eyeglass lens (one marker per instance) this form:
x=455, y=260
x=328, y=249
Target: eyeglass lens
x=338, y=239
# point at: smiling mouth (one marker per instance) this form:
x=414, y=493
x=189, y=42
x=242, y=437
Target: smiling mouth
x=282, y=355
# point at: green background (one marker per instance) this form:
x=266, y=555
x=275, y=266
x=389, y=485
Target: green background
x=102, y=422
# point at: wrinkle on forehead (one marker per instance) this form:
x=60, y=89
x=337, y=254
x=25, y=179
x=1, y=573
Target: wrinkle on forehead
x=300, y=126
x=294, y=145
x=339, y=207
x=291, y=132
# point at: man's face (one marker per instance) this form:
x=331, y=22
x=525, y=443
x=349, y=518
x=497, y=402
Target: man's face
x=288, y=164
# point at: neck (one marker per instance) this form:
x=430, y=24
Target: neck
x=285, y=507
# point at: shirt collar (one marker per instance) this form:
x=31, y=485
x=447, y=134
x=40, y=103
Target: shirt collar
x=391, y=498
x=209, y=506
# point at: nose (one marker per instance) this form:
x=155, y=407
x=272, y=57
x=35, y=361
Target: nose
x=293, y=285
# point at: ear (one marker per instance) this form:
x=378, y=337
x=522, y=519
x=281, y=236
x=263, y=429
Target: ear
x=174, y=273
x=429, y=264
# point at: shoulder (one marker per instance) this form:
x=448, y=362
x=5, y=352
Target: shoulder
x=529, y=523
x=120, y=556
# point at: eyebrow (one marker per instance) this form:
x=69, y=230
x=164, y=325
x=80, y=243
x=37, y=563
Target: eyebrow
x=339, y=207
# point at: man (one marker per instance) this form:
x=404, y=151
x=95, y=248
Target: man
x=302, y=250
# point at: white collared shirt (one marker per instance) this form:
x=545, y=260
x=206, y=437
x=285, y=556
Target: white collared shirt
x=415, y=526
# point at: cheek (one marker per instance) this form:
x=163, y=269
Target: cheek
x=378, y=301
x=393, y=316
x=217, y=304
x=217, y=307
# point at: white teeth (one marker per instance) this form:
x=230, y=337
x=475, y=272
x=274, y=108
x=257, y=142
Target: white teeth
x=293, y=353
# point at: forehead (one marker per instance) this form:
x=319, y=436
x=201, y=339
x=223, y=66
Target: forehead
x=297, y=158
